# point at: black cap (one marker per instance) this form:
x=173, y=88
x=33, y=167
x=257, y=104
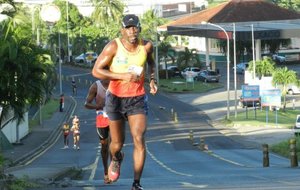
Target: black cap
x=131, y=20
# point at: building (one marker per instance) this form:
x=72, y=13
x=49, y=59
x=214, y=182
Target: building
x=166, y=8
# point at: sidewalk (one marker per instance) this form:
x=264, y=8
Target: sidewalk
x=40, y=138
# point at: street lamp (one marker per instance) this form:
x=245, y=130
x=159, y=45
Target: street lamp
x=235, y=78
x=51, y=14
x=253, y=51
x=68, y=33
x=228, y=63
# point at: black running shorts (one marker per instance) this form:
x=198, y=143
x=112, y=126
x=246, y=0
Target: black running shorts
x=103, y=133
x=121, y=107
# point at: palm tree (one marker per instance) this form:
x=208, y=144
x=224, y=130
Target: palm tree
x=263, y=67
x=149, y=22
x=107, y=12
x=164, y=51
x=27, y=72
x=283, y=77
x=188, y=58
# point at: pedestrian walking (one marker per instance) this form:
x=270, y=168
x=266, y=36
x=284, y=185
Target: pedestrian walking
x=126, y=98
x=74, y=87
x=66, y=132
x=61, y=103
x=76, y=133
x=96, y=100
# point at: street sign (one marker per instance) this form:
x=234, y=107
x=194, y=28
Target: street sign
x=271, y=97
x=250, y=92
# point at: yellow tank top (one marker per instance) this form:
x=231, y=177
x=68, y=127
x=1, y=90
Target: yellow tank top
x=123, y=62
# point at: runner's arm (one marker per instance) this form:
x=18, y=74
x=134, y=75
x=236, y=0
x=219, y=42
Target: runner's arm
x=91, y=97
x=151, y=64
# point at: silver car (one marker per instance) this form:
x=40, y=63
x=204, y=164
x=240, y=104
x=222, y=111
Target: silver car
x=208, y=76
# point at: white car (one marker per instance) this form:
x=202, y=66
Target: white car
x=86, y=58
x=190, y=71
x=293, y=89
x=297, y=126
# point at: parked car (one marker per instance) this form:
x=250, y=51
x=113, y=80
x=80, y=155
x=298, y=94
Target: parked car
x=174, y=71
x=192, y=71
x=208, y=76
x=293, y=89
x=278, y=58
x=245, y=103
x=297, y=125
x=85, y=58
x=241, y=67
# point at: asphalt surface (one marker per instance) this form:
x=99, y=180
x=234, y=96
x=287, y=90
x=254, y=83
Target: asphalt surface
x=41, y=138
x=212, y=103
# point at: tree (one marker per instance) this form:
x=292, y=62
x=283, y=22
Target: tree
x=107, y=12
x=69, y=25
x=26, y=71
x=283, y=77
x=274, y=44
x=150, y=21
x=288, y=4
x=263, y=67
x=164, y=50
x=188, y=58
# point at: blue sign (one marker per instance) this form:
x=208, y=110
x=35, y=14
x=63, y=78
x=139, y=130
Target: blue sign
x=250, y=92
x=271, y=97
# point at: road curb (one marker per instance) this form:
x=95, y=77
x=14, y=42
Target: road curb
x=52, y=138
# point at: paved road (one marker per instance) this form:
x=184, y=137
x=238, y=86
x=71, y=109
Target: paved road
x=173, y=160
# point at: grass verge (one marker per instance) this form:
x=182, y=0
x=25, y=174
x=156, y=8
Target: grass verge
x=283, y=148
x=47, y=111
x=262, y=117
x=169, y=85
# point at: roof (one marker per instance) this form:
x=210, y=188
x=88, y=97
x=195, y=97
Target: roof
x=263, y=15
x=237, y=11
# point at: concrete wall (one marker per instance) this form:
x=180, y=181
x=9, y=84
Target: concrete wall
x=10, y=129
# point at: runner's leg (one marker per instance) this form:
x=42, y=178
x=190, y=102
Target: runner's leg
x=137, y=125
x=117, y=134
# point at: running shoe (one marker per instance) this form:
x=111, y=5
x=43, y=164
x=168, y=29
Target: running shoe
x=136, y=186
x=114, y=168
x=107, y=180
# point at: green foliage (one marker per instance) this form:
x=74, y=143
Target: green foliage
x=263, y=67
x=107, y=11
x=47, y=112
x=274, y=44
x=150, y=21
x=283, y=148
x=288, y=4
x=283, y=77
x=188, y=58
x=22, y=184
x=26, y=71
